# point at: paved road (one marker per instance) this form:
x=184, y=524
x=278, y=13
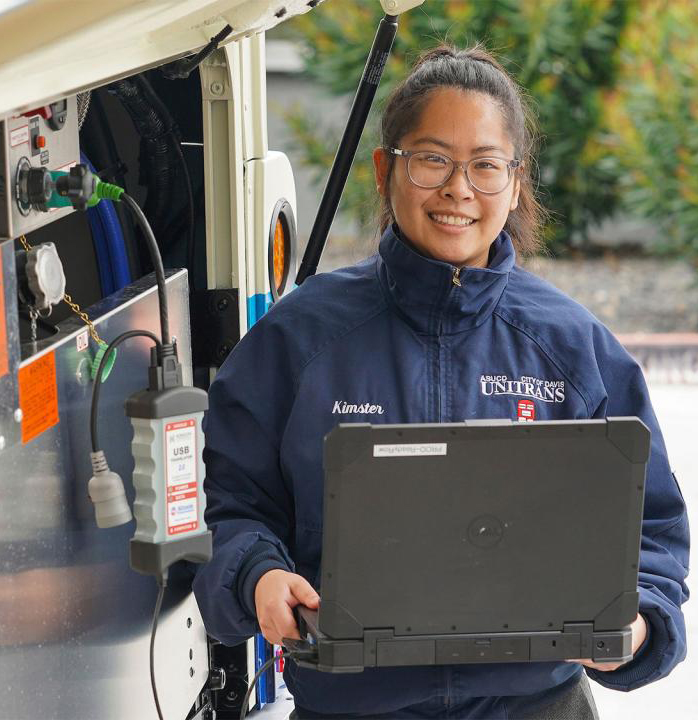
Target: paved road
x=675, y=697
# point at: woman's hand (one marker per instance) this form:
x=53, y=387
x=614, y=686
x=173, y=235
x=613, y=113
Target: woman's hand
x=276, y=594
x=638, y=629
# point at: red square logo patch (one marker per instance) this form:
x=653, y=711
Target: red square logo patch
x=526, y=411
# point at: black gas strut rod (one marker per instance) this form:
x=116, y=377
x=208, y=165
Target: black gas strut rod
x=344, y=158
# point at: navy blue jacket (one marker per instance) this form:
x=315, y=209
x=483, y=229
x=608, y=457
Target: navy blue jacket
x=395, y=340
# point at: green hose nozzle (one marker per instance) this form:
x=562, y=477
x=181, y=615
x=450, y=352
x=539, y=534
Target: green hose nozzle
x=71, y=189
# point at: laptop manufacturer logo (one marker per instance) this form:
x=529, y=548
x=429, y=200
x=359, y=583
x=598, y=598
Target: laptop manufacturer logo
x=485, y=531
x=341, y=407
x=410, y=450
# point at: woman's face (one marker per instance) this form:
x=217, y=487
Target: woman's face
x=462, y=125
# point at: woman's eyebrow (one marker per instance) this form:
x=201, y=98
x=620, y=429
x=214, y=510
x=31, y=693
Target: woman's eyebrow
x=433, y=141
x=446, y=146
x=487, y=148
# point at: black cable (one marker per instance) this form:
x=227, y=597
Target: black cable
x=181, y=69
x=260, y=672
x=162, y=584
x=190, y=200
x=156, y=259
x=98, y=377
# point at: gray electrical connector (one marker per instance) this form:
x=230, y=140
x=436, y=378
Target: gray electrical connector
x=106, y=490
x=168, y=476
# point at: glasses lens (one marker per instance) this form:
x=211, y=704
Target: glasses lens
x=428, y=169
x=489, y=175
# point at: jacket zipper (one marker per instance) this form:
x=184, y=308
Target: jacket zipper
x=455, y=280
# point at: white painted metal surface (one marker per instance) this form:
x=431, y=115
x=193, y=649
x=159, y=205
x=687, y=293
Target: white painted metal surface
x=676, y=696
x=52, y=49
x=396, y=7
x=223, y=173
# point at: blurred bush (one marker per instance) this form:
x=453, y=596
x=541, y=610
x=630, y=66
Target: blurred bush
x=565, y=53
x=652, y=117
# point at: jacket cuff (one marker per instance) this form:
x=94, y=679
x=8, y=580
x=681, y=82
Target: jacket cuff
x=647, y=661
x=261, y=558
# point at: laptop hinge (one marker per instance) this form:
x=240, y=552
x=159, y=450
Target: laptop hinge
x=371, y=638
x=586, y=637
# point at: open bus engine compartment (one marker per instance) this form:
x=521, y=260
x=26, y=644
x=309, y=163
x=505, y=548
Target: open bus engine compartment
x=85, y=86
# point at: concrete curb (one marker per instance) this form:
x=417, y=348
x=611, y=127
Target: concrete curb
x=665, y=358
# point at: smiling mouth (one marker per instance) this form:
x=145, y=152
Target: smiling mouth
x=451, y=220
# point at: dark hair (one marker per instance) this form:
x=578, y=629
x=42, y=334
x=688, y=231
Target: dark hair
x=473, y=70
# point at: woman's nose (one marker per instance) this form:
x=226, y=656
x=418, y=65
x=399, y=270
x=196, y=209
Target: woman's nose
x=457, y=187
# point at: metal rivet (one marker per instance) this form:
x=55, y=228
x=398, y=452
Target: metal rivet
x=18, y=415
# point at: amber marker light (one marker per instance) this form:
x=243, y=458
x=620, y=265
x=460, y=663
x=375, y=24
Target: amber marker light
x=282, y=243
x=279, y=254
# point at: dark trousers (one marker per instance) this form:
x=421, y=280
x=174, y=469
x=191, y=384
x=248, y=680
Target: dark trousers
x=572, y=702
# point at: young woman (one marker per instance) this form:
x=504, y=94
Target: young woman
x=416, y=334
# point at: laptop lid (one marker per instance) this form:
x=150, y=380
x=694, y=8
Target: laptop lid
x=482, y=527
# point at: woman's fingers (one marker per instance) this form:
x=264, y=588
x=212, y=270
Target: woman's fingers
x=304, y=592
x=276, y=594
x=277, y=622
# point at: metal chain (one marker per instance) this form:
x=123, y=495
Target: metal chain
x=25, y=243
x=68, y=301
x=33, y=315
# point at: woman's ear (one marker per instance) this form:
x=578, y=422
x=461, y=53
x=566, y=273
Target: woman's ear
x=515, y=195
x=380, y=166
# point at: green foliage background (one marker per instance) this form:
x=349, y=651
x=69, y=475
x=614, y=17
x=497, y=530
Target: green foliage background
x=652, y=116
x=613, y=83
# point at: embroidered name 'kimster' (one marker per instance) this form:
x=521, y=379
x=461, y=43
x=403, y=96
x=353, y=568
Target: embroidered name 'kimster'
x=341, y=407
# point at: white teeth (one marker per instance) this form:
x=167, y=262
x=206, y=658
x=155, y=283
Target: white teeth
x=452, y=220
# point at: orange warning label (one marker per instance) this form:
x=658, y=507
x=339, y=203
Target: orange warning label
x=3, y=326
x=38, y=396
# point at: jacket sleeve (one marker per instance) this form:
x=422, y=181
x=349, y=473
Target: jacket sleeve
x=249, y=503
x=664, y=548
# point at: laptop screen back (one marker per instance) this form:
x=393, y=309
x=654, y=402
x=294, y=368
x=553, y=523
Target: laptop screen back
x=481, y=528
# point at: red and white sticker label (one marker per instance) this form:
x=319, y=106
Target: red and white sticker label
x=82, y=341
x=526, y=411
x=181, y=466
x=19, y=136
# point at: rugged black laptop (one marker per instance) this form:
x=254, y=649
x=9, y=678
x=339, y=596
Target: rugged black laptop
x=487, y=541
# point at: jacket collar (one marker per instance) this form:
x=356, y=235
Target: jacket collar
x=423, y=292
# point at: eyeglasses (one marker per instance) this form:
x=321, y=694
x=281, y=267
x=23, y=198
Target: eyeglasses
x=489, y=175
